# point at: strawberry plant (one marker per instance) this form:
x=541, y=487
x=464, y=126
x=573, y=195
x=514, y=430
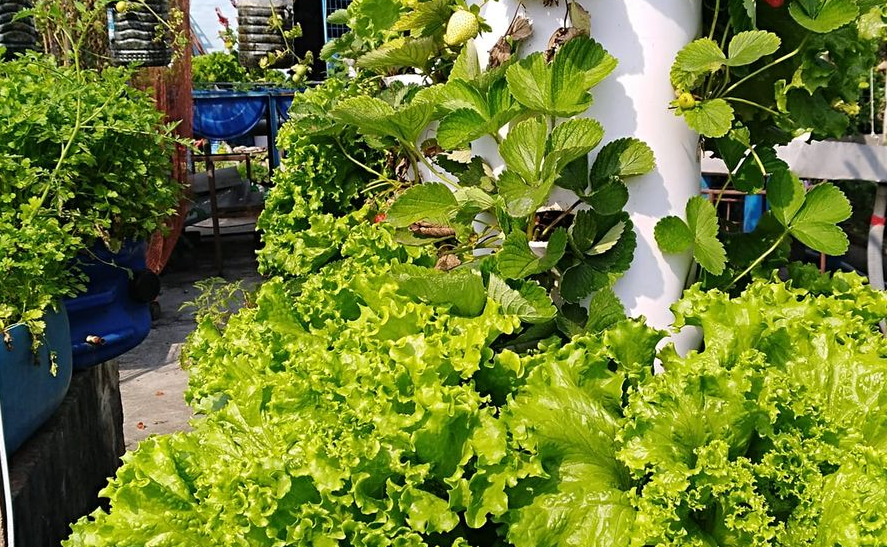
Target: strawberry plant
x=401, y=36
x=539, y=152
x=766, y=72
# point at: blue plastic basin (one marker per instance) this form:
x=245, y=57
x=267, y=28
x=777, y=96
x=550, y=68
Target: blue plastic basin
x=29, y=393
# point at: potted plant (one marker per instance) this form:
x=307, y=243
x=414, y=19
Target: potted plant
x=87, y=163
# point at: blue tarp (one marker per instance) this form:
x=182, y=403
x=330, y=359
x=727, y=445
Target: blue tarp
x=753, y=208
x=227, y=117
x=229, y=114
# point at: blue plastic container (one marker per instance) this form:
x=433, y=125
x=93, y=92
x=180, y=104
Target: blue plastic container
x=113, y=316
x=29, y=393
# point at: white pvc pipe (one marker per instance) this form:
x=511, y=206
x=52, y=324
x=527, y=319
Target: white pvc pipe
x=644, y=35
x=9, y=524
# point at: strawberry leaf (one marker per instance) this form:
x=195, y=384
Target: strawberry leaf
x=673, y=235
x=580, y=280
x=373, y=116
x=785, y=195
x=460, y=127
x=707, y=249
x=516, y=260
x=530, y=302
x=620, y=159
x=562, y=87
x=433, y=202
x=826, y=16
x=401, y=52
x=697, y=59
x=524, y=148
x=815, y=224
x=711, y=118
x=460, y=289
x=749, y=46
x=520, y=198
x=699, y=231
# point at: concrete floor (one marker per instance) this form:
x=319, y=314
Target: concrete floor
x=152, y=382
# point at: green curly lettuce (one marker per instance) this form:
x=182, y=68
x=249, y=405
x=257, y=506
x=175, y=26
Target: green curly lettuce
x=344, y=408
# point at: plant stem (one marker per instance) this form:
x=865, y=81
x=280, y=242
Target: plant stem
x=766, y=67
x=360, y=164
x=725, y=186
x=432, y=169
x=725, y=36
x=530, y=227
x=414, y=168
x=759, y=259
x=757, y=161
x=752, y=103
x=714, y=20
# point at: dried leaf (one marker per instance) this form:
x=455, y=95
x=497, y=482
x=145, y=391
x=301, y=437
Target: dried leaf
x=447, y=262
x=560, y=37
x=401, y=169
x=431, y=230
x=520, y=29
x=580, y=17
x=500, y=53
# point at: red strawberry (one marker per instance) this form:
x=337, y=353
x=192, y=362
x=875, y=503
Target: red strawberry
x=775, y=3
x=379, y=217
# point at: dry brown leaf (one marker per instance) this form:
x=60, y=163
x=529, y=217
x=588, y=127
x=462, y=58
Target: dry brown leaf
x=500, y=53
x=560, y=37
x=447, y=262
x=520, y=29
x=431, y=230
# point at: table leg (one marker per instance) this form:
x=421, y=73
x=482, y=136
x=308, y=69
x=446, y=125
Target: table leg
x=214, y=215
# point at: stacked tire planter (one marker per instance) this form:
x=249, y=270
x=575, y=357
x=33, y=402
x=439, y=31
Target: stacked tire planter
x=17, y=36
x=29, y=390
x=135, y=31
x=257, y=37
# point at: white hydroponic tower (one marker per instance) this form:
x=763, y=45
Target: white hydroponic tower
x=645, y=36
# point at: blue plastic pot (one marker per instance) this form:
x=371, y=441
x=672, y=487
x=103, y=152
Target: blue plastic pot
x=113, y=316
x=29, y=393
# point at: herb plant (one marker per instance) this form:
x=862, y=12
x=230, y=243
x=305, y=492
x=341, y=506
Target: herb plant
x=217, y=66
x=86, y=159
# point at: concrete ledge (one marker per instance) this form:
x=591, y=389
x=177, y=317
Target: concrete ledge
x=58, y=472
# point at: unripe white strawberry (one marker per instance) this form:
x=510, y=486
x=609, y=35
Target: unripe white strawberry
x=462, y=26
